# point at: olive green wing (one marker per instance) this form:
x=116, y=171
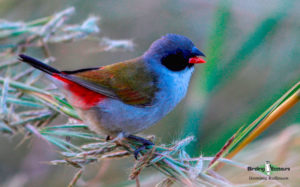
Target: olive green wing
x=129, y=81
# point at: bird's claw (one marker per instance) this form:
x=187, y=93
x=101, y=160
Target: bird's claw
x=138, y=150
x=141, y=148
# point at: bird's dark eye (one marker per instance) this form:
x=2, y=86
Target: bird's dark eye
x=176, y=62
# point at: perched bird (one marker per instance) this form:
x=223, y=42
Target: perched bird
x=128, y=97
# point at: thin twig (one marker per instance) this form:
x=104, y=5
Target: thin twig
x=75, y=178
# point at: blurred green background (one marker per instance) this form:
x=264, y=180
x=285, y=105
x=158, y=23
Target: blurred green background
x=252, y=50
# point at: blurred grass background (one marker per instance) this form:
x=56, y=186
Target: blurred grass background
x=252, y=50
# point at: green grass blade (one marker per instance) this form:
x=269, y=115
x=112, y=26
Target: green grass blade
x=88, y=136
x=32, y=119
x=3, y=100
x=6, y=129
x=22, y=86
x=56, y=104
x=62, y=144
x=57, y=142
x=249, y=133
x=257, y=38
x=66, y=126
x=201, y=81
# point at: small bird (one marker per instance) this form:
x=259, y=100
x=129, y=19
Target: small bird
x=127, y=97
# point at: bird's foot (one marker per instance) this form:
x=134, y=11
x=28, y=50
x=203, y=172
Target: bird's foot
x=144, y=142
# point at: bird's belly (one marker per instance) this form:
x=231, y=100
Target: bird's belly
x=112, y=117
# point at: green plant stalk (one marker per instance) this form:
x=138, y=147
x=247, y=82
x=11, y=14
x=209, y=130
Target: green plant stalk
x=22, y=86
x=56, y=104
x=266, y=28
x=214, y=76
x=277, y=113
x=247, y=134
x=242, y=134
x=200, y=84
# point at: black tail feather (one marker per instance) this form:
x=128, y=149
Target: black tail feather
x=38, y=64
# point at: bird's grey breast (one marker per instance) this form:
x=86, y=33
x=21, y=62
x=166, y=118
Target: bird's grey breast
x=117, y=116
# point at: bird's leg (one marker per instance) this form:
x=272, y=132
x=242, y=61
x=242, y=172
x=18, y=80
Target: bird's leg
x=145, y=143
x=119, y=137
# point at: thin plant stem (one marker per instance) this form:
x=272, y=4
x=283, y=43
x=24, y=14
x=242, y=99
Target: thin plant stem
x=277, y=113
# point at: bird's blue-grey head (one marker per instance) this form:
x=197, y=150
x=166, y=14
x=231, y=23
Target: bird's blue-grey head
x=175, y=52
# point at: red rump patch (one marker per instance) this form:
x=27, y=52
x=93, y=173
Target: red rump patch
x=81, y=97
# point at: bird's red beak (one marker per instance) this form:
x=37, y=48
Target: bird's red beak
x=196, y=60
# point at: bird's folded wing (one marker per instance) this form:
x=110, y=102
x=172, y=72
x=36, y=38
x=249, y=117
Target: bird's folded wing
x=128, y=81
